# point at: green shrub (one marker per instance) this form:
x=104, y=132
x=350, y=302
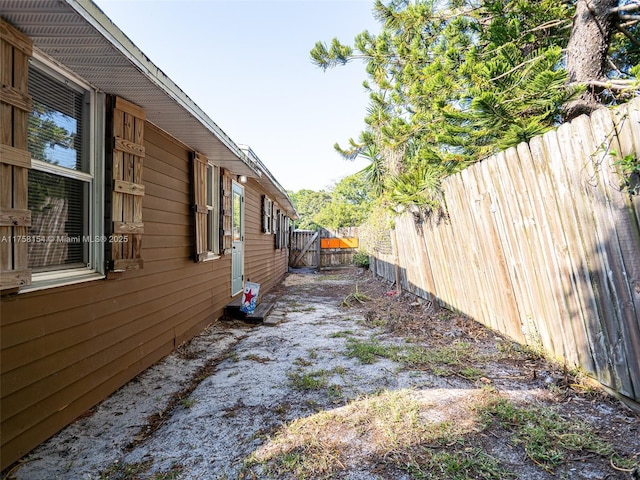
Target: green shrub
x=361, y=259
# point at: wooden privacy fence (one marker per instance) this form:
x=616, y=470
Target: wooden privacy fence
x=540, y=242
x=324, y=248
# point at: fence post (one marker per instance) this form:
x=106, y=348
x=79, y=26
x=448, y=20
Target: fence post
x=318, y=249
x=396, y=261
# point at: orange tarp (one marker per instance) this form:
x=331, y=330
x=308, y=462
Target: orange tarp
x=339, y=242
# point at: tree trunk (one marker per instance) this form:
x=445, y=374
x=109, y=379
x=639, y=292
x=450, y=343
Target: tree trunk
x=593, y=24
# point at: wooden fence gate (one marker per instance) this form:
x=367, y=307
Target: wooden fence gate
x=304, y=250
x=323, y=248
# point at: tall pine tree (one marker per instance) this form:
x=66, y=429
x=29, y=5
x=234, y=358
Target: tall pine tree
x=452, y=82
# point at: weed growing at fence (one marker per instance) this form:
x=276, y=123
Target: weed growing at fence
x=629, y=167
x=361, y=259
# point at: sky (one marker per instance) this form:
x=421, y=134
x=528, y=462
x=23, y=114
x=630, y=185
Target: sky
x=246, y=64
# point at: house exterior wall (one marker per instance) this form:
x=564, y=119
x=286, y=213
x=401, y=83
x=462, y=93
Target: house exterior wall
x=264, y=264
x=65, y=349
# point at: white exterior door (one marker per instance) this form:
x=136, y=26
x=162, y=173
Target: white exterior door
x=237, y=255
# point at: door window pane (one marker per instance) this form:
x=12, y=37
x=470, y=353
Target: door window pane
x=237, y=219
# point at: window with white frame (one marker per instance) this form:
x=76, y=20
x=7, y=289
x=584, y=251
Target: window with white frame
x=267, y=215
x=65, y=193
x=213, y=209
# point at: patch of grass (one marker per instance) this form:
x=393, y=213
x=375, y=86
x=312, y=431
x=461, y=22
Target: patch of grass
x=535, y=351
x=624, y=464
x=257, y=358
x=370, y=351
x=374, y=319
x=188, y=402
x=334, y=392
x=303, y=362
x=330, y=277
x=308, y=381
x=441, y=361
x=468, y=464
x=425, y=357
x=309, y=308
x=580, y=382
x=125, y=471
x=547, y=438
x=282, y=409
x=471, y=373
x=340, y=370
x=440, y=371
x=294, y=306
x=388, y=422
x=172, y=474
x=341, y=334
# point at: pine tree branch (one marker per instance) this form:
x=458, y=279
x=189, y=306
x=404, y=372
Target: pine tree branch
x=565, y=24
x=508, y=72
x=630, y=7
x=615, y=67
x=549, y=24
x=629, y=17
x=628, y=24
x=617, y=85
x=629, y=35
x=455, y=13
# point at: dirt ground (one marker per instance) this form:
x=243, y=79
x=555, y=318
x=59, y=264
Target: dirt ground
x=352, y=382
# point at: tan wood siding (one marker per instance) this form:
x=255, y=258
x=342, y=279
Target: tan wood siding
x=64, y=349
x=264, y=264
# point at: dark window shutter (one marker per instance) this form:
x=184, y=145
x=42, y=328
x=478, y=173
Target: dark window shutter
x=287, y=232
x=15, y=160
x=263, y=206
x=227, y=230
x=272, y=221
x=199, y=166
x=125, y=155
x=276, y=229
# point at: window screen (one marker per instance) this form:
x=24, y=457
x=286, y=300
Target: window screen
x=59, y=186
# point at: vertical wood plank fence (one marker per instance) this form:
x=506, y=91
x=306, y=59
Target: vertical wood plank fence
x=540, y=242
x=338, y=246
x=324, y=248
